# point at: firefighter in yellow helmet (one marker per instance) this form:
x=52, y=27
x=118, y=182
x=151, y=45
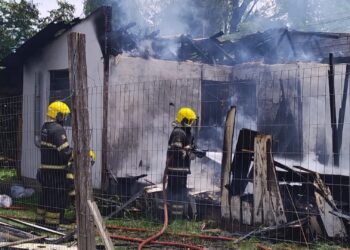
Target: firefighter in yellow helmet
x=55, y=155
x=70, y=177
x=181, y=150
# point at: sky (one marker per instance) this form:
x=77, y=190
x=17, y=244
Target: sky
x=46, y=5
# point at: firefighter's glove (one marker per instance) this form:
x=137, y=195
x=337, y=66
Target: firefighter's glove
x=183, y=153
x=198, y=152
x=189, y=151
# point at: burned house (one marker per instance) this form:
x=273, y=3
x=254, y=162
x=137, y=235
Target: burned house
x=44, y=62
x=278, y=80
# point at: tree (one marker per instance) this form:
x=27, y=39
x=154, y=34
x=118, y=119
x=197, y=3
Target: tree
x=18, y=22
x=64, y=12
x=205, y=17
x=195, y=17
x=237, y=12
x=91, y=5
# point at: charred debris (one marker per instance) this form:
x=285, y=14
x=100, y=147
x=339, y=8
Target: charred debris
x=267, y=198
x=271, y=46
x=259, y=195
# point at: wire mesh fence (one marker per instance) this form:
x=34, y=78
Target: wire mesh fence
x=288, y=173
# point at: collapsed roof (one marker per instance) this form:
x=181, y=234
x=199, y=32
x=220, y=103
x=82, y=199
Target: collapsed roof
x=271, y=46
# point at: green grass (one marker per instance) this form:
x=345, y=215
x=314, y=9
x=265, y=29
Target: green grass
x=176, y=226
x=8, y=174
x=185, y=226
x=251, y=244
x=28, y=214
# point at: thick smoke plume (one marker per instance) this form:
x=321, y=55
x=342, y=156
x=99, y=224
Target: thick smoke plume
x=206, y=17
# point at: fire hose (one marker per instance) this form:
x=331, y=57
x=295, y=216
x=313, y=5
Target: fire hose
x=166, y=221
x=165, y=206
x=199, y=236
x=166, y=243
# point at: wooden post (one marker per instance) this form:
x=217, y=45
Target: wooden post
x=101, y=226
x=341, y=118
x=81, y=140
x=268, y=205
x=333, y=111
x=226, y=164
x=104, y=168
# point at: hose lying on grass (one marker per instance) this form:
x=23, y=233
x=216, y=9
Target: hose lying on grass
x=166, y=243
x=165, y=224
x=200, y=236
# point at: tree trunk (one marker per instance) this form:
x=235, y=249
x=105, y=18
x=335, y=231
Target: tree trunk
x=237, y=14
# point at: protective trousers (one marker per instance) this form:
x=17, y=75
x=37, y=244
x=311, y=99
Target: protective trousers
x=177, y=194
x=53, y=199
x=70, y=184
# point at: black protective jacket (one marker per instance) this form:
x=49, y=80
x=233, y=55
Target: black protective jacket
x=179, y=154
x=55, y=150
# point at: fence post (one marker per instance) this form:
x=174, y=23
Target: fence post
x=81, y=140
x=226, y=166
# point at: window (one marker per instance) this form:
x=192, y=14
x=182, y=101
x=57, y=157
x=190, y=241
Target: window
x=60, y=88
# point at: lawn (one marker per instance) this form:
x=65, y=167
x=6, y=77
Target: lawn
x=176, y=227
x=25, y=209
x=8, y=174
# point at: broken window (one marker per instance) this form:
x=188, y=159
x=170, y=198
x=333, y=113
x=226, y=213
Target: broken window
x=216, y=100
x=60, y=89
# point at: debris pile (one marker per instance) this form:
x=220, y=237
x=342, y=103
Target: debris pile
x=288, y=202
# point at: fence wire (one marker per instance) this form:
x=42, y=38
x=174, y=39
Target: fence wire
x=289, y=174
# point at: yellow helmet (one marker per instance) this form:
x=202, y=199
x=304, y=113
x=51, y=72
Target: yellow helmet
x=92, y=155
x=186, y=116
x=56, y=109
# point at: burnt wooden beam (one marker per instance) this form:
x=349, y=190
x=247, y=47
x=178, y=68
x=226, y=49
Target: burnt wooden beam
x=106, y=56
x=291, y=43
x=226, y=163
x=242, y=160
x=201, y=53
x=132, y=199
x=335, y=148
x=81, y=140
x=101, y=226
x=223, y=52
x=333, y=225
x=268, y=204
x=217, y=35
x=341, y=118
x=10, y=232
x=273, y=50
x=9, y=244
x=33, y=225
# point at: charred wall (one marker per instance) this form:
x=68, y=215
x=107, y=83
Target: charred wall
x=144, y=96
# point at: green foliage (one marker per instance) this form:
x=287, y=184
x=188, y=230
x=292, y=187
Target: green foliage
x=64, y=12
x=9, y=110
x=18, y=22
x=91, y=5
x=8, y=174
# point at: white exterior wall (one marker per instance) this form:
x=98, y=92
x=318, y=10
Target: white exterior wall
x=315, y=108
x=140, y=118
x=317, y=119
x=54, y=56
